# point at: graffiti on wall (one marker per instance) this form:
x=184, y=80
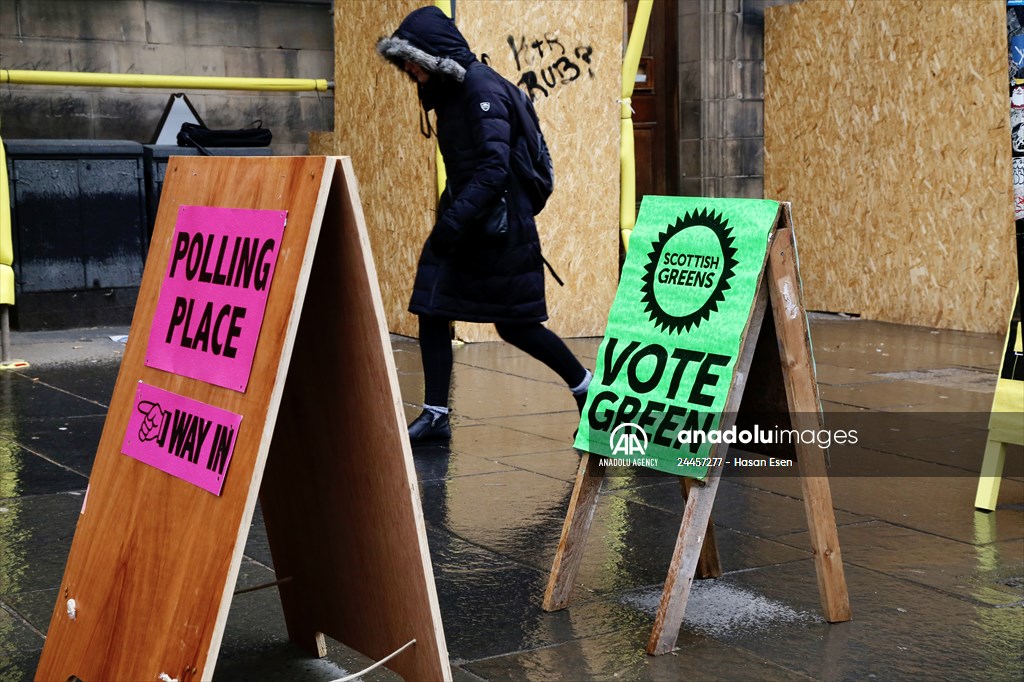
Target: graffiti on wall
x=545, y=63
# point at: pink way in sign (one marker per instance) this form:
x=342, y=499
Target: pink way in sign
x=214, y=294
x=185, y=438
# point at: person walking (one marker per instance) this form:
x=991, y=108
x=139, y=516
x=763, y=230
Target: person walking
x=482, y=261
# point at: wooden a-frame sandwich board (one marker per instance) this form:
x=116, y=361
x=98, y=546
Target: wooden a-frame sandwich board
x=774, y=352
x=315, y=417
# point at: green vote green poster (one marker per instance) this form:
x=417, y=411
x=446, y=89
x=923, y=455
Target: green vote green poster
x=674, y=332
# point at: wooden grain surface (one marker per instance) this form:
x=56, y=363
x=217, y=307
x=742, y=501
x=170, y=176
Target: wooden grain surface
x=571, y=61
x=578, y=517
x=689, y=547
x=340, y=497
x=805, y=413
x=377, y=123
x=887, y=127
x=154, y=559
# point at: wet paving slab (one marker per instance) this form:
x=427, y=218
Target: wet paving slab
x=494, y=441
x=941, y=506
x=740, y=507
x=24, y=473
x=900, y=395
x=621, y=656
x=558, y=426
x=67, y=442
x=937, y=589
x=482, y=394
x=23, y=397
x=437, y=463
x=561, y=464
x=37, y=533
x=899, y=630
x=990, y=573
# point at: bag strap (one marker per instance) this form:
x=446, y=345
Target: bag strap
x=202, y=150
x=552, y=271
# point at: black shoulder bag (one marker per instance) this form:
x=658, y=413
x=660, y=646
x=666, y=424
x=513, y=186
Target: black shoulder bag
x=201, y=137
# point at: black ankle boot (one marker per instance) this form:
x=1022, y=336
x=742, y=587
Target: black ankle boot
x=581, y=400
x=430, y=427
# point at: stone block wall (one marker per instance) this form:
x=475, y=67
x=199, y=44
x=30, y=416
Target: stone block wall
x=264, y=39
x=721, y=79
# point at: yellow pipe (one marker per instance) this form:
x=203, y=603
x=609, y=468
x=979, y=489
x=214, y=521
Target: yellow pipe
x=139, y=80
x=442, y=176
x=627, y=158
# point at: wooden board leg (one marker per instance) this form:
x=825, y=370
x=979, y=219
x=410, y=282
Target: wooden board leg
x=696, y=517
x=708, y=565
x=339, y=496
x=805, y=413
x=991, y=476
x=574, y=534
x=700, y=499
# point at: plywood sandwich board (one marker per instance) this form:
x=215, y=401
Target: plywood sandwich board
x=258, y=355
x=707, y=332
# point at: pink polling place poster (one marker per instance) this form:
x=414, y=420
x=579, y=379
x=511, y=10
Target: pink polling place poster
x=214, y=293
x=185, y=438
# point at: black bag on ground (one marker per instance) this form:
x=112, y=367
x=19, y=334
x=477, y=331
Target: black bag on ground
x=200, y=137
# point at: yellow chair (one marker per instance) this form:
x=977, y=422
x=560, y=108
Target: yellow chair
x=1006, y=424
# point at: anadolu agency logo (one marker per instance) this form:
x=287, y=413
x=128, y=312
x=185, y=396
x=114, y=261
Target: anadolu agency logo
x=628, y=444
x=627, y=441
x=688, y=271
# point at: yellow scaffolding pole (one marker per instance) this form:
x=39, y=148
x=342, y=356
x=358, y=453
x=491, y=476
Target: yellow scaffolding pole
x=6, y=271
x=627, y=155
x=442, y=175
x=138, y=80
x=110, y=80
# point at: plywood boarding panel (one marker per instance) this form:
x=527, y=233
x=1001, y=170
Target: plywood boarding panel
x=572, y=51
x=154, y=559
x=886, y=126
x=376, y=123
x=321, y=143
x=340, y=498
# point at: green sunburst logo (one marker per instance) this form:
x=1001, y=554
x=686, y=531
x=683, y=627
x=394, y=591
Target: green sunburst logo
x=688, y=271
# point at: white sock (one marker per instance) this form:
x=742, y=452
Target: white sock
x=435, y=410
x=584, y=385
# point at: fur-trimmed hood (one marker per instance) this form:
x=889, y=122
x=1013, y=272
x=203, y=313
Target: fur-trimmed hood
x=429, y=38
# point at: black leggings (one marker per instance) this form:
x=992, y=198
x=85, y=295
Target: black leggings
x=532, y=338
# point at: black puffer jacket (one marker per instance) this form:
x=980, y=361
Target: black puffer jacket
x=462, y=273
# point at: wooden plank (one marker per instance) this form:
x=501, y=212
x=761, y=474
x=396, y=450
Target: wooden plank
x=397, y=156
x=578, y=518
x=805, y=413
x=154, y=559
x=580, y=55
x=766, y=406
x=682, y=568
x=697, y=513
x=709, y=564
x=581, y=122
x=854, y=152
x=340, y=497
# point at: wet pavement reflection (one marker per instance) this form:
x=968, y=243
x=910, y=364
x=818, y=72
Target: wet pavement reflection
x=936, y=588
